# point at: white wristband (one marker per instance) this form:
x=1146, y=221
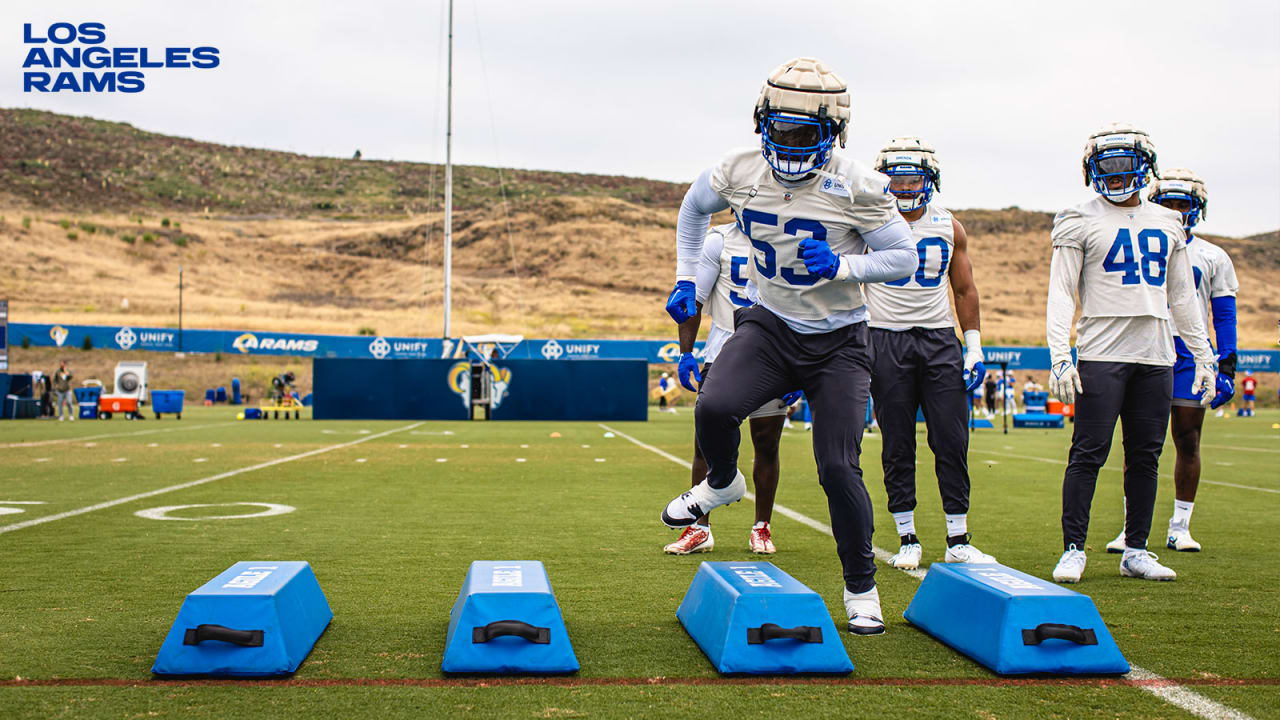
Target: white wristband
x=973, y=345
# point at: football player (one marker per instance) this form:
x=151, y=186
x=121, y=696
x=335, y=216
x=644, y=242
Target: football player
x=1126, y=259
x=722, y=284
x=810, y=214
x=1216, y=287
x=917, y=360
x=1248, y=386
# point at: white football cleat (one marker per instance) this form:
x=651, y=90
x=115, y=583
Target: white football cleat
x=1180, y=539
x=865, y=617
x=761, y=540
x=908, y=557
x=966, y=553
x=694, y=539
x=1145, y=565
x=701, y=499
x=1117, y=545
x=1070, y=566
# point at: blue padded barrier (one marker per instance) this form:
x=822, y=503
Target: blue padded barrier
x=257, y=618
x=1014, y=623
x=751, y=617
x=506, y=621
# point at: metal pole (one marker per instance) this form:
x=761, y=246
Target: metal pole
x=1004, y=396
x=179, y=308
x=448, y=182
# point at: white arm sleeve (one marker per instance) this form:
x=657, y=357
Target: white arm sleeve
x=699, y=204
x=894, y=255
x=1183, y=306
x=1060, y=309
x=708, y=266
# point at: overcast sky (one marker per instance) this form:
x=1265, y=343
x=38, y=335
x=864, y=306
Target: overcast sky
x=1007, y=91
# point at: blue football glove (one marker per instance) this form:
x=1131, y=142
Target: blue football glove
x=790, y=398
x=682, y=304
x=818, y=258
x=688, y=372
x=973, y=376
x=1226, y=387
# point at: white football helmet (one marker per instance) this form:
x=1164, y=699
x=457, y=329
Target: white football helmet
x=1119, y=151
x=802, y=110
x=911, y=157
x=1182, y=184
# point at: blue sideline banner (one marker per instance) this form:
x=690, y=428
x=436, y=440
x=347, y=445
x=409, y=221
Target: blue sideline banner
x=572, y=390
x=232, y=342
x=368, y=389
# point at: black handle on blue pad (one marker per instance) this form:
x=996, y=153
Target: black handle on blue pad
x=770, y=631
x=1056, y=631
x=243, y=638
x=502, y=628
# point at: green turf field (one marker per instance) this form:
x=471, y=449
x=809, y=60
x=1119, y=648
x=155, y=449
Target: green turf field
x=390, y=514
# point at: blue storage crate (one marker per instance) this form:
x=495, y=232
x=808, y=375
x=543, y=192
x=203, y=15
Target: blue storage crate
x=167, y=401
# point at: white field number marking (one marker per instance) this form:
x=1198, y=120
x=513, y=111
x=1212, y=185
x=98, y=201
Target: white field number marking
x=162, y=513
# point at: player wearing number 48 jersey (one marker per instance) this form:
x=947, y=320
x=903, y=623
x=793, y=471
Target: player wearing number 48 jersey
x=916, y=360
x=1126, y=259
x=810, y=215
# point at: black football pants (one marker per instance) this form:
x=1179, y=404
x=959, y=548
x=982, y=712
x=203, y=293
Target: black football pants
x=921, y=368
x=1140, y=397
x=765, y=359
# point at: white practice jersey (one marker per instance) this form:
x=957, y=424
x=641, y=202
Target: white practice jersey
x=776, y=218
x=1127, y=253
x=721, y=282
x=918, y=300
x=1214, y=275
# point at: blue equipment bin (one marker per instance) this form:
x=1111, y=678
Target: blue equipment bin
x=1014, y=623
x=257, y=618
x=1037, y=420
x=751, y=617
x=87, y=399
x=167, y=401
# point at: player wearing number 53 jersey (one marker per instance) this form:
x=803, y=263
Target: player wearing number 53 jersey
x=810, y=215
x=1126, y=259
x=916, y=360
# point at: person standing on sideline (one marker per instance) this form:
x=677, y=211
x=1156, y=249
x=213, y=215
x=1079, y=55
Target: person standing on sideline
x=63, y=394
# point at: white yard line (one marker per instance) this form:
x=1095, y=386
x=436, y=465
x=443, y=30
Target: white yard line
x=1053, y=461
x=38, y=443
x=183, y=486
x=1176, y=695
x=1242, y=448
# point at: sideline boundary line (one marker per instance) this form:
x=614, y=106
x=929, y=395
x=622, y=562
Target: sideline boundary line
x=1174, y=693
x=507, y=681
x=183, y=486
x=152, y=431
x=1053, y=461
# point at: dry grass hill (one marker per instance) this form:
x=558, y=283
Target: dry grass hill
x=95, y=213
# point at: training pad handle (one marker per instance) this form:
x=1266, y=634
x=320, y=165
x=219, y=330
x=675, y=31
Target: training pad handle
x=503, y=628
x=243, y=638
x=770, y=631
x=1057, y=631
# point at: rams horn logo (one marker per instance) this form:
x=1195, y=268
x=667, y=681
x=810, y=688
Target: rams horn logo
x=59, y=334
x=244, y=342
